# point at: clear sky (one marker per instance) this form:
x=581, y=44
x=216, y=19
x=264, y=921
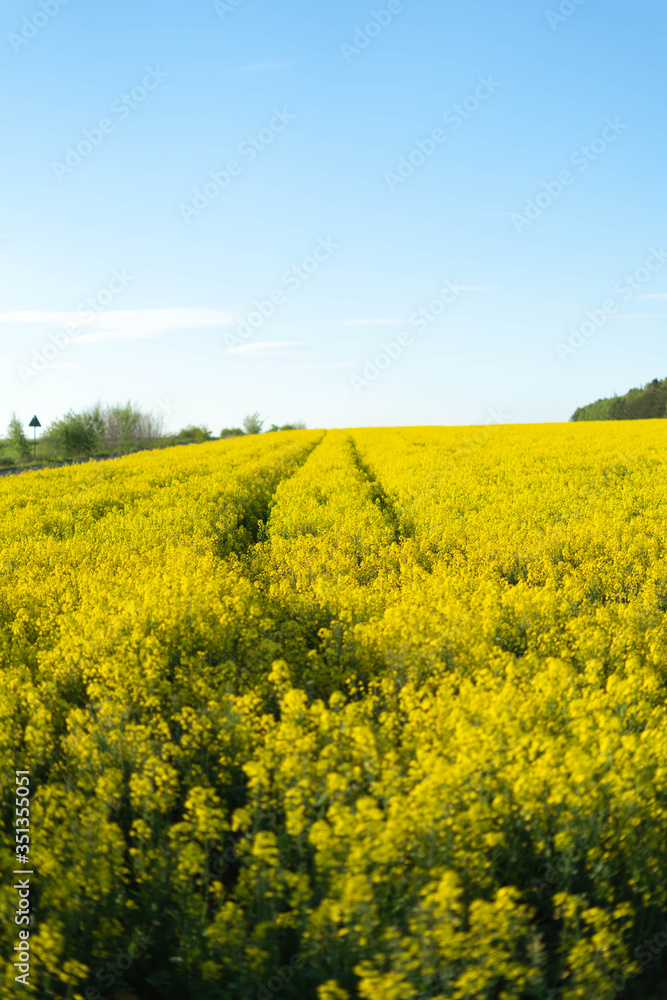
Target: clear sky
x=463, y=183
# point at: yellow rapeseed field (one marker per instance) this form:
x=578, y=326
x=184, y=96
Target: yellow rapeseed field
x=366, y=714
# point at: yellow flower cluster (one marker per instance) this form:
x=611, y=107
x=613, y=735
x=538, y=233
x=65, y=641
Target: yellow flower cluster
x=368, y=713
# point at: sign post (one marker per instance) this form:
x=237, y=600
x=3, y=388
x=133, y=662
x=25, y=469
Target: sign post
x=34, y=423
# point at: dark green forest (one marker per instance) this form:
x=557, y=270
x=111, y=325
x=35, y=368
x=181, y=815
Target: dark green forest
x=646, y=403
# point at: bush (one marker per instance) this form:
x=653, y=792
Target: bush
x=231, y=432
x=76, y=435
x=299, y=426
x=193, y=434
x=108, y=429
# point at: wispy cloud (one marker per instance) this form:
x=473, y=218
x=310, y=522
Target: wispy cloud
x=258, y=67
x=639, y=316
x=268, y=347
x=120, y=325
x=654, y=295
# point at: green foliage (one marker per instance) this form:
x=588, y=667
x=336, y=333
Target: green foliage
x=127, y=428
x=599, y=410
x=18, y=440
x=646, y=403
x=76, y=435
x=299, y=426
x=113, y=430
x=107, y=429
x=193, y=434
x=252, y=424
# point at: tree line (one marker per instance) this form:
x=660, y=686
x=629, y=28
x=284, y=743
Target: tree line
x=648, y=402
x=103, y=430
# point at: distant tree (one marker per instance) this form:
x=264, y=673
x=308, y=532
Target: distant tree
x=617, y=410
x=120, y=426
x=126, y=427
x=17, y=439
x=231, y=432
x=194, y=434
x=648, y=402
x=252, y=424
x=299, y=426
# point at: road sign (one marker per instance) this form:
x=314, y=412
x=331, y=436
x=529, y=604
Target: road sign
x=34, y=423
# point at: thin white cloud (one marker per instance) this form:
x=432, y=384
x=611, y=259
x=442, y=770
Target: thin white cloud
x=120, y=325
x=258, y=67
x=263, y=348
x=654, y=295
x=639, y=316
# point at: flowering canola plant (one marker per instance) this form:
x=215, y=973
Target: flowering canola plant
x=372, y=714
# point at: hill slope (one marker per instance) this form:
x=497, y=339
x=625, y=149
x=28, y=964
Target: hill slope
x=645, y=403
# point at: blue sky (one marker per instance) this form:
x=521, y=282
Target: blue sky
x=369, y=157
